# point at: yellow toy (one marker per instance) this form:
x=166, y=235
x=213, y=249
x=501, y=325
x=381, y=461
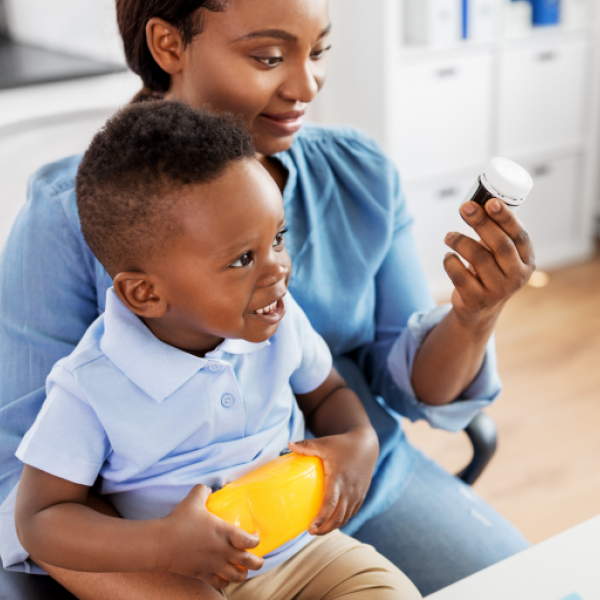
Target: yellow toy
x=278, y=500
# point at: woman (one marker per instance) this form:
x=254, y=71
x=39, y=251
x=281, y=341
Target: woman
x=356, y=274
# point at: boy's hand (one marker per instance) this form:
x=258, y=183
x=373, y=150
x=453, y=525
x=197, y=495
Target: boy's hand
x=196, y=543
x=349, y=460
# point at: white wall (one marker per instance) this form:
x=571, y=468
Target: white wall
x=84, y=27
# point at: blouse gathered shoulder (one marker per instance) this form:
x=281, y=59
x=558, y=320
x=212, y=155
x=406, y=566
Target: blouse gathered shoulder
x=356, y=274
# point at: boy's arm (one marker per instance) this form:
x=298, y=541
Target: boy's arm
x=347, y=444
x=56, y=527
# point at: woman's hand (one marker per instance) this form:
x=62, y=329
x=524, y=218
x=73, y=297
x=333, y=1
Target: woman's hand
x=195, y=543
x=501, y=264
x=349, y=460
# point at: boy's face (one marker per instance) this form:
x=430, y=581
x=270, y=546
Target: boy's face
x=225, y=274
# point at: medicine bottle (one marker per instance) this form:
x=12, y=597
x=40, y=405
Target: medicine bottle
x=502, y=179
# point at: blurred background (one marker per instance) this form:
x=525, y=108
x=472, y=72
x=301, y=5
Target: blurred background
x=443, y=85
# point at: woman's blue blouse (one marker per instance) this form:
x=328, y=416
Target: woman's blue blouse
x=356, y=274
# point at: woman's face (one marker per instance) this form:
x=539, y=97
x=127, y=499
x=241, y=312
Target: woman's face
x=261, y=59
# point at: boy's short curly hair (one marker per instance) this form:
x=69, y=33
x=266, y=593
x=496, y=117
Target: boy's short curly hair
x=126, y=181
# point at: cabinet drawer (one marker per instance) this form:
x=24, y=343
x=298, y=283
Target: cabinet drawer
x=435, y=209
x=542, y=97
x=443, y=115
x=551, y=213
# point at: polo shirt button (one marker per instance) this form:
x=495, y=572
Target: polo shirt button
x=227, y=400
x=214, y=366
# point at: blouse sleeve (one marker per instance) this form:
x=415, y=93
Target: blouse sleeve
x=47, y=301
x=405, y=313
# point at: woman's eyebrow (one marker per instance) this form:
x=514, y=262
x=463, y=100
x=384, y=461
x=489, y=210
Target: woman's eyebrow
x=277, y=34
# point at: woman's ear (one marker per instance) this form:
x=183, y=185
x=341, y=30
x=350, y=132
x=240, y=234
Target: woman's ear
x=165, y=44
x=140, y=293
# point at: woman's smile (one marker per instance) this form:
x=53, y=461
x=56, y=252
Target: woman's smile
x=283, y=124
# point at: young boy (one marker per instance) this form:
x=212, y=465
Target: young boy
x=200, y=370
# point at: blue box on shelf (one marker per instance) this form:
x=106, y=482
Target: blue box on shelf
x=546, y=12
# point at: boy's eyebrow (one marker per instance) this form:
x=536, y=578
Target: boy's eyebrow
x=278, y=34
x=232, y=250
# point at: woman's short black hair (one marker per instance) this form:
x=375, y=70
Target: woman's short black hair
x=127, y=181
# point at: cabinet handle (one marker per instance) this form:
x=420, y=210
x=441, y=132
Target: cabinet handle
x=447, y=72
x=449, y=192
x=547, y=56
x=542, y=170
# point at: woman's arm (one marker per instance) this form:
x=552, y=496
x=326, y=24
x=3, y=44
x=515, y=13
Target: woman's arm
x=452, y=354
x=48, y=298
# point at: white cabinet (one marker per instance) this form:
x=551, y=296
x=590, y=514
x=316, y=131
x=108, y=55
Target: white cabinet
x=542, y=96
x=552, y=212
x=435, y=209
x=444, y=115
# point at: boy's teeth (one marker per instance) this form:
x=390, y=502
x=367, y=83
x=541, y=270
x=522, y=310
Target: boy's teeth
x=267, y=309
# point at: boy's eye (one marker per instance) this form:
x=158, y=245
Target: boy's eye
x=279, y=239
x=243, y=261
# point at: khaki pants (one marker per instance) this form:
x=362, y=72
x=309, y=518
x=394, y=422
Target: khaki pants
x=330, y=567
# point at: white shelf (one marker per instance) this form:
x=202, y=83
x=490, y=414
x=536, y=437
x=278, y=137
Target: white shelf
x=441, y=113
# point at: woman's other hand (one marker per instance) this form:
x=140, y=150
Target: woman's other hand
x=500, y=264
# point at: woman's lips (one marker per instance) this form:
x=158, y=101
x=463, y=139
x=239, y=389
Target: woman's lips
x=274, y=316
x=283, y=124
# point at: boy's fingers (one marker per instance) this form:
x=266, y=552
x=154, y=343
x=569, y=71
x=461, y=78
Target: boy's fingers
x=246, y=560
x=336, y=520
x=232, y=574
x=330, y=502
x=305, y=447
x=199, y=494
x=240, y=539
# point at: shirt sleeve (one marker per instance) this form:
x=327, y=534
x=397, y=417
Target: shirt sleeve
x=405, y=313
x=67, y=439
x=316, y=358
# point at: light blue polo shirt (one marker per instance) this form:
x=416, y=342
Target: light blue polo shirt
x=153, y=421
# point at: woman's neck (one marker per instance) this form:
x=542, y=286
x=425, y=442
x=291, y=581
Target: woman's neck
x=275, y=169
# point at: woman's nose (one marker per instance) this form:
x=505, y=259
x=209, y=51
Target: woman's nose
x=303, y=83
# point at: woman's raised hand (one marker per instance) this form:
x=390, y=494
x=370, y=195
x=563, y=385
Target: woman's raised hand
x=500, y=264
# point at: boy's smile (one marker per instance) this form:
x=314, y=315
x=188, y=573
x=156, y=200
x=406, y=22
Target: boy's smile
x=225, y=270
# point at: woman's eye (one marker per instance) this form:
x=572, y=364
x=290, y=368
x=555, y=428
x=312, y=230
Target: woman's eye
x=317, y=54
x=243, y=261
x=270, y=61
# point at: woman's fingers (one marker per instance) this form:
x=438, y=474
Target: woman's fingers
x=502, y=233
x=466, y=283
x=482, y=260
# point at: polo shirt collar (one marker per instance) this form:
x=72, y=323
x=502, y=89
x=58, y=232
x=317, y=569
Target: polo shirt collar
x=155, y=367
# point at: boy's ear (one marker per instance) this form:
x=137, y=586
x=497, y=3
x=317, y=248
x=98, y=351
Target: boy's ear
x=165, y=44
x=140, y=293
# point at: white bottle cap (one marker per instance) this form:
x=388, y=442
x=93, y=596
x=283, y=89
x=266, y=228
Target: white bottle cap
x=507, y=180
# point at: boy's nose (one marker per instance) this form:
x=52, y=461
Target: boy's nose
x=278, y=271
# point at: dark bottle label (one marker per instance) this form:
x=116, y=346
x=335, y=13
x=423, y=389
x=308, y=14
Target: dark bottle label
x=481, y=195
